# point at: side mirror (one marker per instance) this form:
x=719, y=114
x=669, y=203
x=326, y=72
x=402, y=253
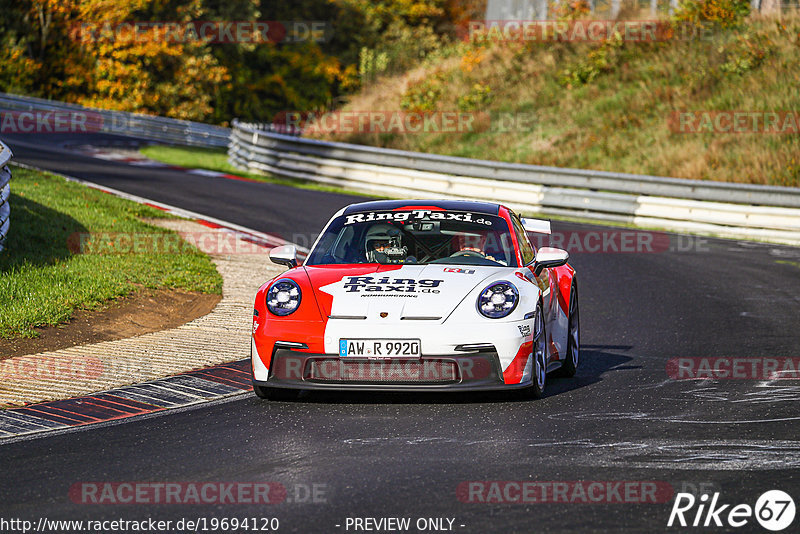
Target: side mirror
x=549, y=257
x=284, y=255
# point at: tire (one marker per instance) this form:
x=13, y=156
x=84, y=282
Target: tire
x=539, y=374
x=570, y=364
x=276, y=394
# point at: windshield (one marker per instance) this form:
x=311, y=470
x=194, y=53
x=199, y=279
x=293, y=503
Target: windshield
x=416, y=237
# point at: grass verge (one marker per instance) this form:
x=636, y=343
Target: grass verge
x=212, y=159
x=42, y=281
x=216, y=159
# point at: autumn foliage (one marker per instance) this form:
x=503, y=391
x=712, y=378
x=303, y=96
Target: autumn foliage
x=45, y=51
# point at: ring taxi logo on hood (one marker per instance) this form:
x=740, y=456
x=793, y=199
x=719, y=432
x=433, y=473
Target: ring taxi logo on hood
x=416, y=215
x=370, y=284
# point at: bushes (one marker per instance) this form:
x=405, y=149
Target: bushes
x=479, y=97
x=746, y=53
x=423, y=95
x=371, y=64
x=572, y=10
x=717, y=13
x=401, y=47
x=599, y=60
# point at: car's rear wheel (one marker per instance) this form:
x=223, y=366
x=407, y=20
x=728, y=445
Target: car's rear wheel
x=539, y=352
x=570, y=364
x=276, y=394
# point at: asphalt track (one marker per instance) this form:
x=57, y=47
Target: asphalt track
x=622, y=418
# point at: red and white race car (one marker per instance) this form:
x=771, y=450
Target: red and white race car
x=417, y=296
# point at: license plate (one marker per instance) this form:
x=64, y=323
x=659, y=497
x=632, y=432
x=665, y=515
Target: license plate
x=379, y=348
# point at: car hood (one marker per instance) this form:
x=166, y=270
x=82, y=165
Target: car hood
x=402, y=292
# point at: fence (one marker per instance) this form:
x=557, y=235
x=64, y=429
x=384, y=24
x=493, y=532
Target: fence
x=714, y=208
x=124, y=123
x=5, y=193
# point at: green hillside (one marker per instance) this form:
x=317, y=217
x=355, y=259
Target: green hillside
x=611, y=105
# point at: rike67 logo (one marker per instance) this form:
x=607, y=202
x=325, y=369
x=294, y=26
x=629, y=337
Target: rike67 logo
x=774, y=510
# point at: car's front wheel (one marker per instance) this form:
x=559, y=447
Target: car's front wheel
x=539, y=352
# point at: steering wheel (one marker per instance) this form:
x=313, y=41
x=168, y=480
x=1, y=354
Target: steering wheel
x=469, y=253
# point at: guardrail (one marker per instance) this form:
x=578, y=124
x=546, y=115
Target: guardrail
x=714, y=208
x=5, y=193
x=117, y=122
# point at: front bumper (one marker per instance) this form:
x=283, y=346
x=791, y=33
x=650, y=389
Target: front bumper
x=470, y=371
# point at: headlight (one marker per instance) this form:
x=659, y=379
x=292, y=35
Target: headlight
x=498, y=300
x=283, y=297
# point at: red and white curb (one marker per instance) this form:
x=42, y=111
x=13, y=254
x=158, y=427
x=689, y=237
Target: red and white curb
x=125, y=402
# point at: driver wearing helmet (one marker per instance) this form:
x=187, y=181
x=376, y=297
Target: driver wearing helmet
x=383, y=244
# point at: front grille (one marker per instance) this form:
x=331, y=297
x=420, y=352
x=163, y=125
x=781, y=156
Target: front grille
x=382, y=371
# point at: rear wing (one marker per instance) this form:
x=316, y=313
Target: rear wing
x=537, y=226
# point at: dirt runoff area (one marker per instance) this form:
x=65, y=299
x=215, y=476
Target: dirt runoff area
x=143, y=312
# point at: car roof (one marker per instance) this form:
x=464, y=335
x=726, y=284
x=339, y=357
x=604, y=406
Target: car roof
x=489, y=208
